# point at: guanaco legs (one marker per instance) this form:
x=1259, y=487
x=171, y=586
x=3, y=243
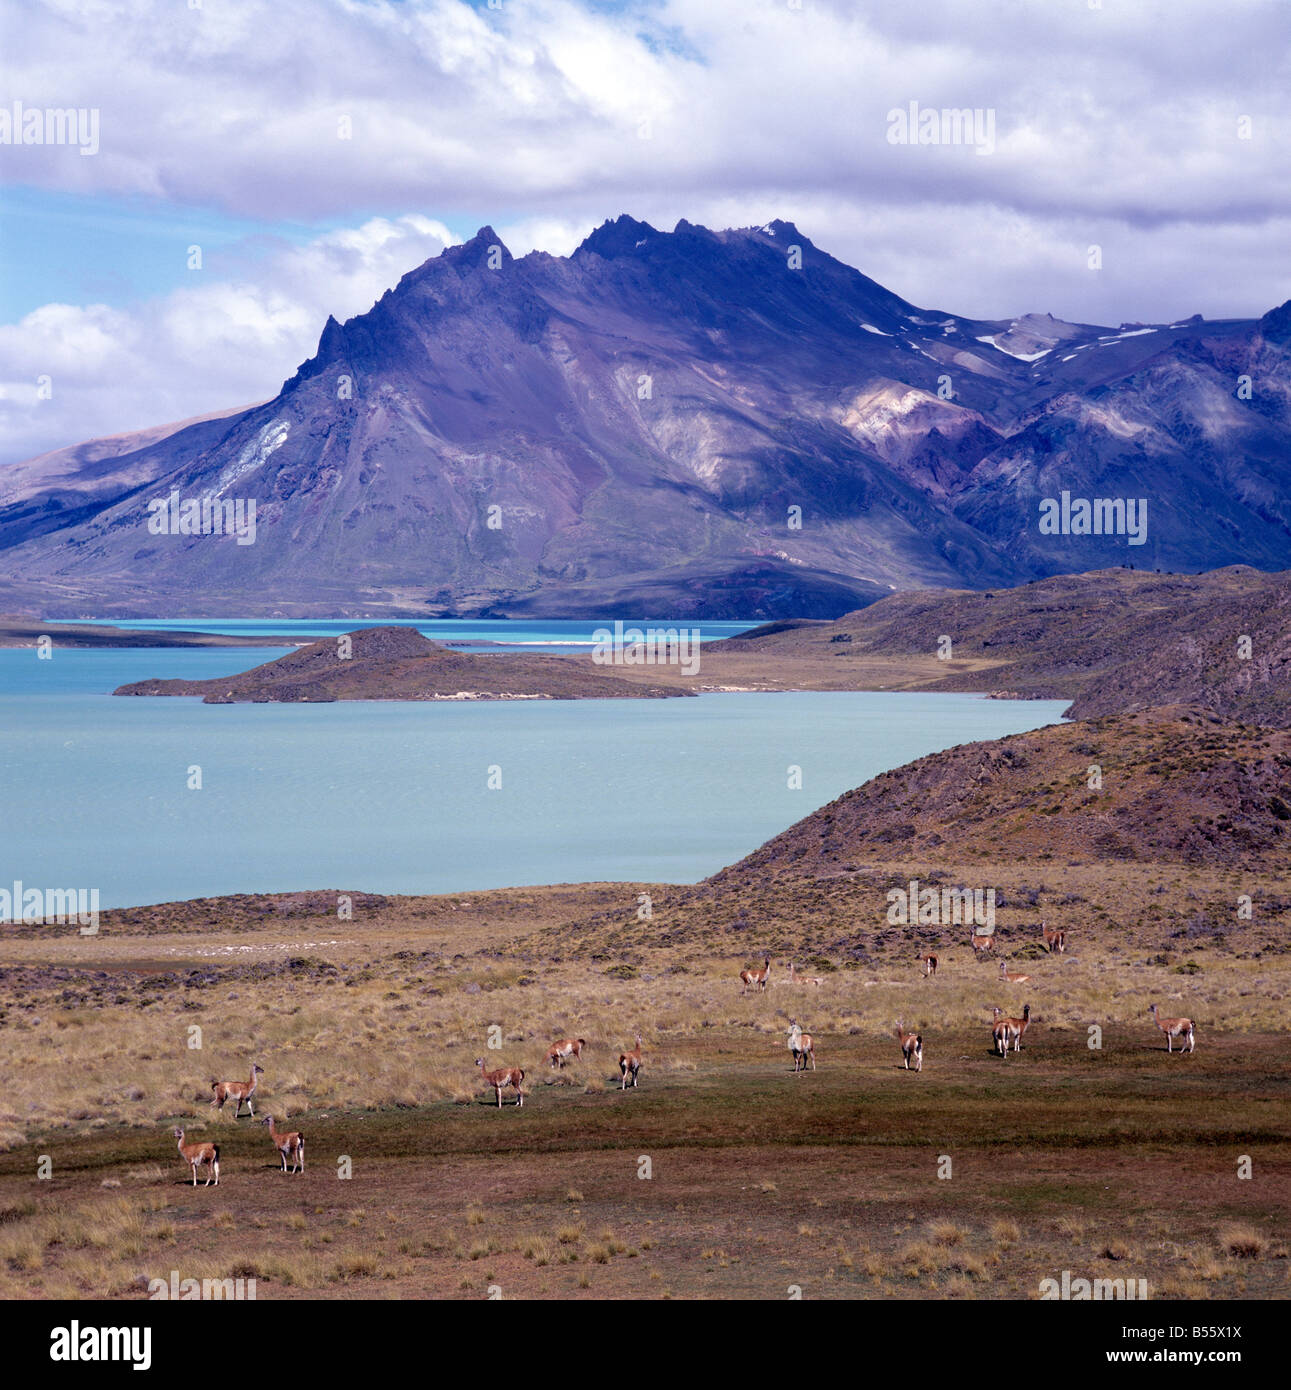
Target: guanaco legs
x=559, y=1052
x=1010, y=1030
x=197, y=1154
x=1055, y=939
x=929, y=963
x=501, y=1078
x=630, y=1065
x=291, y=1145
x=802, y=1045
x=239, y=1090
x=756, y=979
x=1013, y=979
x=911, y=1047
x=1175, y=1028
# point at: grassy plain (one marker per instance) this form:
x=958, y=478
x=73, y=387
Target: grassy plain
x=1115, y=1161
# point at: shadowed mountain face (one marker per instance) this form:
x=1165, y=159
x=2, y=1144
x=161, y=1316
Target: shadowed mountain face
x=694, y=423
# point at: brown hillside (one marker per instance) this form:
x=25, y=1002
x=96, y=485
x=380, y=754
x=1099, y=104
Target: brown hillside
x=1178, y=786
x=1115, y=640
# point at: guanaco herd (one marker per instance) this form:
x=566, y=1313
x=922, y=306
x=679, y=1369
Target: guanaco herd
x=290, y=1145
x=1006, y=1031
x=1006, y=1036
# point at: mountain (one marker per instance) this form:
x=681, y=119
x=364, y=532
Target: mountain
x=692, y=423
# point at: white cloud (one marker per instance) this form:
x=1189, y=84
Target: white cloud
x=216, y=345
x=1117, y=125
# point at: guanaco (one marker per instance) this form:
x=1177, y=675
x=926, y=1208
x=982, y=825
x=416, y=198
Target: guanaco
x=1175, y=1028
x=291, y=1145
x=630, y=1065
x=1013, y=979
x=1055, y=940
x=756, y=979
x=502, y=1077
x=1011, y=1030
x=982, y=944
x=929, y=962
x=197, y=1154
x=802, y=1045
x=911, y=1046
x=239, y=1090
x=559, y=1052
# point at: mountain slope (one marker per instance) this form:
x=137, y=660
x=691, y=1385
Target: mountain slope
x=698, y=423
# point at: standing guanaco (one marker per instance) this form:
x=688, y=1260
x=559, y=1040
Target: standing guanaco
x=502, y=1077
x=197, y=1154
x=1055, y=940
x=911, y=1046
x=291, y=1145
x=756, y=979
x=1175, y=1028
x=929, y=962
x=802, y=1045
x=239, y=1090
x=630, y=1065
x=1010, y=1030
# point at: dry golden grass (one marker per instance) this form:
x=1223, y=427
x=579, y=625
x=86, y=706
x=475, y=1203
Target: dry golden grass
x=400, y=1022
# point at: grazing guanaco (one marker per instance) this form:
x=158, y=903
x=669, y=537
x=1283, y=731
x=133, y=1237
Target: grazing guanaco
x=911, y=1046
x=1055, y=940
x=1013, y=979
x=630, y=1065
x=1011, y=1030
x=239, y=1090
x=802, y=1045
x=1175, y=1028
x=929, y=963
x=290, y=1145
x=981, y=944
x=558, y=1052
x=197, y=1154
x=756, y=979
x=501, y=1078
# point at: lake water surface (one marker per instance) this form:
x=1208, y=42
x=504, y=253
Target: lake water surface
x=394, y=797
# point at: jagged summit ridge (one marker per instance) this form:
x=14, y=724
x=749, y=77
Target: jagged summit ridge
x=691, y=422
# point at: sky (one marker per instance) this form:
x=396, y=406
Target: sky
x=243, y=168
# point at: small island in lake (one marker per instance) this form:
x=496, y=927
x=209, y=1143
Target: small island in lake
x=398, y=663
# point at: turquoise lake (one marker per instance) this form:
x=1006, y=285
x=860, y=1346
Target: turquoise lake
x=393, y=797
